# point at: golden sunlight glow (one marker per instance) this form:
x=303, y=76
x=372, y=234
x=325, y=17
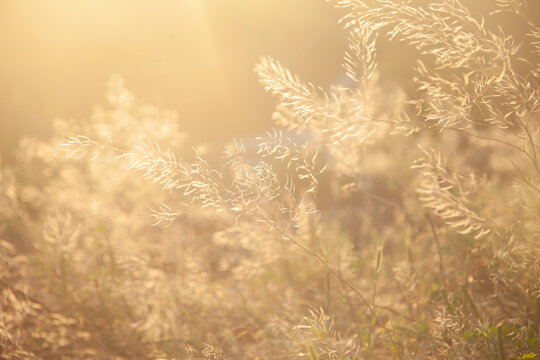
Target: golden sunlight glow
x=269, y=179
x=193, y=56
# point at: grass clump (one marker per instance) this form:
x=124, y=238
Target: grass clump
x=277, y=252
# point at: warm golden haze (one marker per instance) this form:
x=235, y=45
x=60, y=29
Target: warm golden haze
x=390, y=211
x=195, y=57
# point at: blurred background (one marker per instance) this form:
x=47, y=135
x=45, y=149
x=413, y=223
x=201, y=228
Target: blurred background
x=195, y=57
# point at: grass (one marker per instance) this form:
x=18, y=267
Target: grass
x=124, y=241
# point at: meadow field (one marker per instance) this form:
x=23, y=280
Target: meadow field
x=377, y=218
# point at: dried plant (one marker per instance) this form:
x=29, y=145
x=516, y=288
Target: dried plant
x=256, y=239
x=448, y=194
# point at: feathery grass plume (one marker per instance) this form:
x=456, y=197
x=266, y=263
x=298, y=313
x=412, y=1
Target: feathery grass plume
x=339, y=121
x=304, y=99
x=445, y=30
x=360, y=63
x=252, y=186
x=164, y=215
x=81, y=147
x=195, y=181
x=211, y=352
x=299, y=156
x=447, y=33
x=454, y=326
x=447, y=194
x=521, y=9
x=338, y=115
x=448, y=103
x=322, y=341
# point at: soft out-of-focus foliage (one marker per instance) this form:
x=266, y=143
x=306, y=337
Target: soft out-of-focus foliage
x=367, y=224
